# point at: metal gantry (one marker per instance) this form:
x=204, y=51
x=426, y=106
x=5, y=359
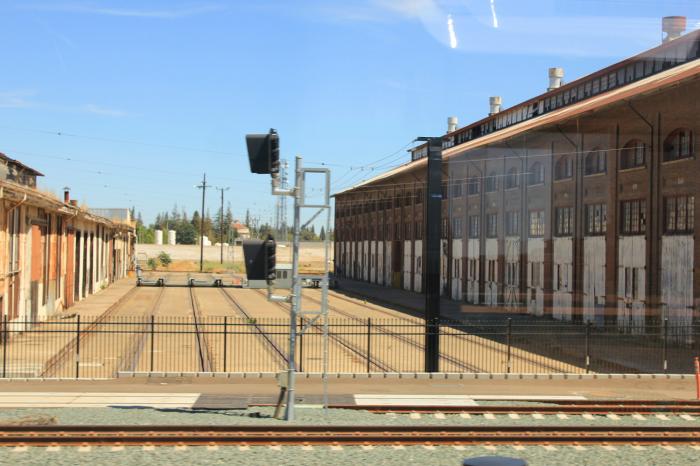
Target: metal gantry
x=310, y=317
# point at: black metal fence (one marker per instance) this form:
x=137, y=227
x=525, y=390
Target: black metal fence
x=79, y=348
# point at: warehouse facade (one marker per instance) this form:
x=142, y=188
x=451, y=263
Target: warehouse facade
x=53, y=252
x=578, y=204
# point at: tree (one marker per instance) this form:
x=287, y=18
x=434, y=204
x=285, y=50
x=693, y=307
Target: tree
x=247, y=218
x=174, y=214
x=196, y=221
x=322, y=235
x=186, y=233
x=145, y=235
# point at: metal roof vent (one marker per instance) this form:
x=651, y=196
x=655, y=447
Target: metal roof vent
x=494, y=104
x=555, y=78
x=452, y=124
x=673, y=27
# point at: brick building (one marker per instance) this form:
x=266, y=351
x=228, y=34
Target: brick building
x=578, y=204
x=52, y=252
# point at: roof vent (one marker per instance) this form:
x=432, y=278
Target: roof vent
x=451, y=124
x=555, y=78
x=673, y=27
x=494, y=104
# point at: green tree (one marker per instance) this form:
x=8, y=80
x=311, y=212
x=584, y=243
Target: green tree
x=145, y=234
x=196, y=221
x=322, y=235
x=186, y=234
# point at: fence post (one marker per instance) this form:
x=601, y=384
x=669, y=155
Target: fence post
x=665, y=348
x=508, y=342
x=4, y=345
x=225, y=338
x=588, y=346
x=153, y=340
x=369, y=343
x=77, y=348
x=301, y=344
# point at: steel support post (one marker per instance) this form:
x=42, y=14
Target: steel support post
x=433, y=222
x=296, y=293
x=77, y=348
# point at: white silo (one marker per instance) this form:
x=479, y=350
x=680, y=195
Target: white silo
x=159, y=237
x=171, y=237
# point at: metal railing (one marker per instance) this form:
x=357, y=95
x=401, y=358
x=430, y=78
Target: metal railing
x=75, y=348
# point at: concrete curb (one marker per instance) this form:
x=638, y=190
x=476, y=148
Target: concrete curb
x=361, y=376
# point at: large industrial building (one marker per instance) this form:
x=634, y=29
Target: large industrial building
x=53, y=252
x=578, y=204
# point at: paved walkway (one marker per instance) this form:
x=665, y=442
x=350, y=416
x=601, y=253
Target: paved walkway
x=97, y=303
x=414, y=303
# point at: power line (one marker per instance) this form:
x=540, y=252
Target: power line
x=118, y=140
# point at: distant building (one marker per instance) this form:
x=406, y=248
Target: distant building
x=577, y=204
x=242, y=231
x=16, y=171
x=53, y=253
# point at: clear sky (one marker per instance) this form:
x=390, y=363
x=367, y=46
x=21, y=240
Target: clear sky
x=129, y=102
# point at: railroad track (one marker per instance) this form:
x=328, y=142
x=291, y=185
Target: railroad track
x=204, y=353
x=343, y=435
x=415, y=321
x=598, y=408
x=353, y=349
x=131, y=361
x=400, y=337
x=67, y=352
x=268, y=342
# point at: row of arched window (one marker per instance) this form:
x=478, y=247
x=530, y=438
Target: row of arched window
x=678, y=145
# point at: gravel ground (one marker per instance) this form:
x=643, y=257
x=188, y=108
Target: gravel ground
x=535, y=455
x=145, y=416
x=442, y=455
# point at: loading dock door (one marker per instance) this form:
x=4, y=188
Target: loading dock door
x=36, y=278
x=396, y=256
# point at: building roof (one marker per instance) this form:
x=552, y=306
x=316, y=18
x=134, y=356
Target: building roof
x=651, y=83
x=20, y=165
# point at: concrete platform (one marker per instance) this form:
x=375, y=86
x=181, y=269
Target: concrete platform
x=601, y=388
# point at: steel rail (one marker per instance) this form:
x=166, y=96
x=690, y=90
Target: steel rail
x=130, y=363
x=276, y=350
x=402, y=337
x=66, y=352
x=204, y=353
x=599, y=409
x=343, y=435
x=418, y=321
x=350, y=347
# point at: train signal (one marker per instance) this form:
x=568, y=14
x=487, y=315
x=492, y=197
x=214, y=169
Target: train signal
x=270, y=260
x=264, y=153
x=253, y=251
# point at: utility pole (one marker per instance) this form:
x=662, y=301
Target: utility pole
x=221, y=223
x=203, y=187
x=433, y=212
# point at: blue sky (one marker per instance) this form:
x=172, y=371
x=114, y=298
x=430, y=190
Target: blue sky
x=148, y=95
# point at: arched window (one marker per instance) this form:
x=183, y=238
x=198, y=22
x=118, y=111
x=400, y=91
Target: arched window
x=491, y=183
x=473, y=185
x=536, y=175
x=564, y=168
x=512, y=178
x=596, y=162
x=678, y=145
x=633, y=154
